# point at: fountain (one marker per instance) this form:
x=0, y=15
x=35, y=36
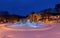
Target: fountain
x=28, y=24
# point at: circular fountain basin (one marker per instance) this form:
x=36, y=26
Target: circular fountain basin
x=27, y=26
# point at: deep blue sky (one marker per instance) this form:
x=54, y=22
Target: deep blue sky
x=24, y=7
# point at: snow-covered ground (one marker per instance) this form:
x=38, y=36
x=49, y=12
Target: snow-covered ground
x=18, y=30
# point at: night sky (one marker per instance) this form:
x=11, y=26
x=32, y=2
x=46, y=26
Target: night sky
x=24, y=7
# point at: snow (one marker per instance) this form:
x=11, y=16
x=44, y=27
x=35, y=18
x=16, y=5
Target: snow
x=36, y=30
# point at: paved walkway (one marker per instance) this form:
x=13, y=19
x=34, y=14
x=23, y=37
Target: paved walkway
x=50, y=32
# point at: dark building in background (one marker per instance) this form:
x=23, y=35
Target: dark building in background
x=3, y=16
x=57, y=8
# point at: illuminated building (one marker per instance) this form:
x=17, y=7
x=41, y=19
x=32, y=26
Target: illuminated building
x=34, y=17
